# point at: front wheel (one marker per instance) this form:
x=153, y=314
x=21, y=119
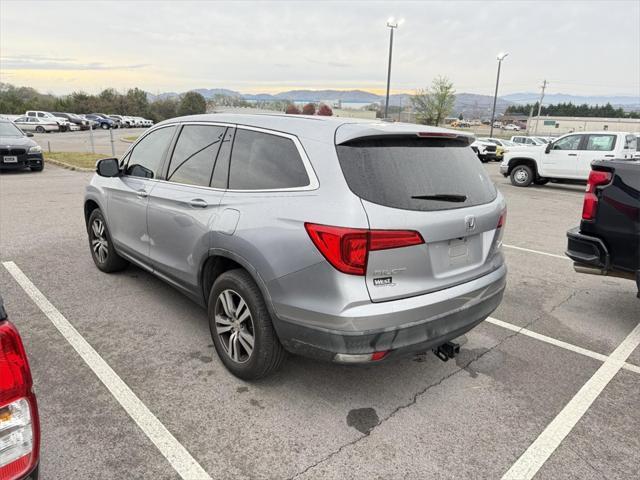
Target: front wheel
x=104, y=126
x=104, y=255
x=241, y=327
x=521, y=176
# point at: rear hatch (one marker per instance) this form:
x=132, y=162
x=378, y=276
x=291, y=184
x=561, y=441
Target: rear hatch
x=434, y=184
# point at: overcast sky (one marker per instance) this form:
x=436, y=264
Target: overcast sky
x=580, y=47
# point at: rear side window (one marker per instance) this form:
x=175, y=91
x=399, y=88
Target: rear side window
x=195, y=154
x=147, y=156
x=603, y=143
x=631, y=143
x=415, y=173
x=261, y=161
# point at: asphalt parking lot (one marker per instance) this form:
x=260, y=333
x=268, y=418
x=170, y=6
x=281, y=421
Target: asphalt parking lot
x=499, y=406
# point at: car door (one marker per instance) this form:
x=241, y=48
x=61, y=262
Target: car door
x=24, y=124
x=184, y=208
x=128, y=194
x=561, y=160
x=596, y=146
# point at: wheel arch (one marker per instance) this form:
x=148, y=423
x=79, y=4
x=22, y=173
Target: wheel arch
x=91, y=203
x=220, y=261
x=530, y=162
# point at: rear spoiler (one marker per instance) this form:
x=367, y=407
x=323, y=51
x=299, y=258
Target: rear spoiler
x=352, y=131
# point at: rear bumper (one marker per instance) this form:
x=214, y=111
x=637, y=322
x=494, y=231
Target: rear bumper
x=414, y=324
x=587, y=250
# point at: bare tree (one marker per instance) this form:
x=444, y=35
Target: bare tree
x=434, y=104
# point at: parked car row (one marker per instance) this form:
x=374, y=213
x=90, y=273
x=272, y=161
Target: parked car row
x=40, y=121
x=509, y=126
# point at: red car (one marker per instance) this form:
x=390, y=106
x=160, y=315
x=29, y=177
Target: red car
x=19, y=421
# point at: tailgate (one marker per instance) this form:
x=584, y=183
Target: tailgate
x=457, y=248
x=437, y=187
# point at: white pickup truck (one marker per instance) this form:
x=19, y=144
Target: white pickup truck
x=568, y=157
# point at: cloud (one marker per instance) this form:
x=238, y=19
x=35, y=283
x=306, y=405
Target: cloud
x=41, y=62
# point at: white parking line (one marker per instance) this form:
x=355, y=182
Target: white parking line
x=558, y=343
x=178, y=456
x=536, y=251
x=543, y=447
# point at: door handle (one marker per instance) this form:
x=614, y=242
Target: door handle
x=198, y=203
x=572, y=154
x=142, y=193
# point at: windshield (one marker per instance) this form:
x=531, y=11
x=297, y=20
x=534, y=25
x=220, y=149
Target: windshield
x=415, y=173
x=10, y=130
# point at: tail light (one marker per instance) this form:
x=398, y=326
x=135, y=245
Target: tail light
x=347, y=249
x=19, y=427
x=502, y=220
x=590, y=205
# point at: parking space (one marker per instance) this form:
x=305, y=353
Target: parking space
x=414, y=418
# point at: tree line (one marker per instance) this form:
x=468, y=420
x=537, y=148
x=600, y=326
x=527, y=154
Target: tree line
x=572, y=110
x=17, y=100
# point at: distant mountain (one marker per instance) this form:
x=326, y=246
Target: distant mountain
x=205, y=92
x=470, y=105
x=615, y=100
x=212, y=92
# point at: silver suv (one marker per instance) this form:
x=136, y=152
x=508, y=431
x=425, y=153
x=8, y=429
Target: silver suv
x=343, y=240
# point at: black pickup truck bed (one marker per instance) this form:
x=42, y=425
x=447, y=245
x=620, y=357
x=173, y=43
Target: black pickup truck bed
x=609, y=242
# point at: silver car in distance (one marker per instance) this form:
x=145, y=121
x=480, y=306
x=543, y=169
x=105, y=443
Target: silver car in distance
x=343, y=240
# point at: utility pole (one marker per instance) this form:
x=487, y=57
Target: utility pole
x=544, y=86
x=529, y=120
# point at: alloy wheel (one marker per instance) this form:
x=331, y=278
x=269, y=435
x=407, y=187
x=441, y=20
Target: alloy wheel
x=234, y=326
x=99, y=243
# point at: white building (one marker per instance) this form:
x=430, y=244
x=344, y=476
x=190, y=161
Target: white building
x=554, y=126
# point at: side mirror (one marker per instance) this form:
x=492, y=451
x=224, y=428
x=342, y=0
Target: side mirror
x=548, y=148
x=29, y=134
x=108, y=167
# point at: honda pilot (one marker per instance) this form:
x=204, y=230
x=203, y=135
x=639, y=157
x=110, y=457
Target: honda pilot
x=342, y=240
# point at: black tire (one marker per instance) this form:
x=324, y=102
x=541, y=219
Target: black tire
x=521, y=176
x=541, y=181
x=267, y=354
x=111, y=262
x=104, y=126
x=38, y=168
x=39, y=129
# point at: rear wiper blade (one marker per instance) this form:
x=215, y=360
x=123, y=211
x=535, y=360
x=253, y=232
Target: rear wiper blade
x=442, y=197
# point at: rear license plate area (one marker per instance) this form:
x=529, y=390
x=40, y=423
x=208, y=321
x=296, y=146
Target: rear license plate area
x=458, y=251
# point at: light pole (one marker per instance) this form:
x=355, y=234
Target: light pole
x=501, y=56
x=392, y=23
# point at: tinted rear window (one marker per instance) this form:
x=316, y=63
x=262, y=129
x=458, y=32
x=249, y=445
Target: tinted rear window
x=390, y=171
x=261, y=161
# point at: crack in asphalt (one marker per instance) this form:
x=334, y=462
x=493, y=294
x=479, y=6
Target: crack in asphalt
x=418, y=394
x=584, y=459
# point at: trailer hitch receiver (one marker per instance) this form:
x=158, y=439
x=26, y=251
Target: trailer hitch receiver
x=447, y=350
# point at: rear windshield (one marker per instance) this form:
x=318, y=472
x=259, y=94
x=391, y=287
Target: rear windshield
x=391, y=171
